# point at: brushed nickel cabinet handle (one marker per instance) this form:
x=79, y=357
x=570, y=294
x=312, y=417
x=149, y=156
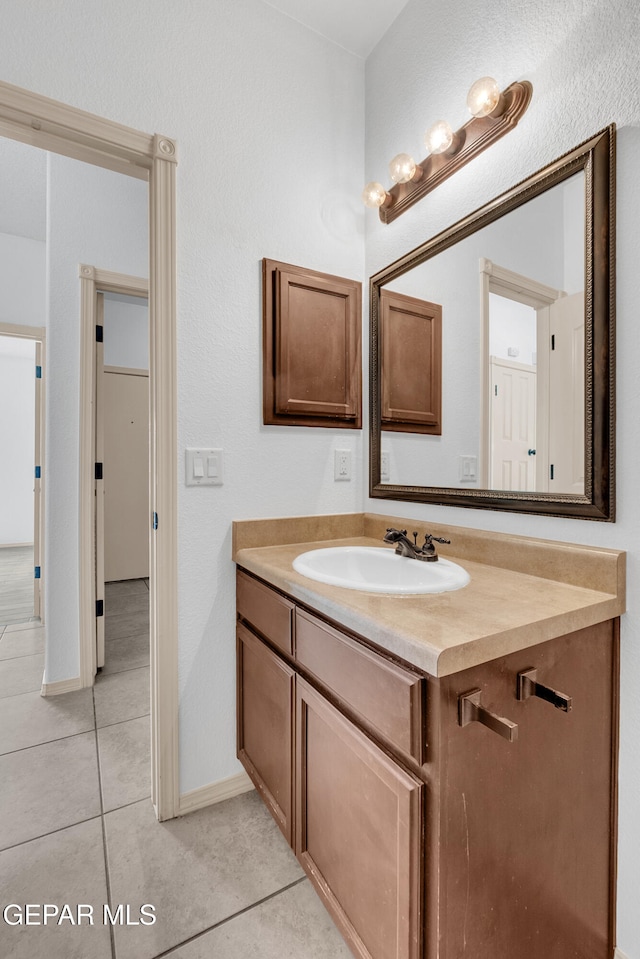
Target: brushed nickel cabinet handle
x=470, y=711
x=528, y=685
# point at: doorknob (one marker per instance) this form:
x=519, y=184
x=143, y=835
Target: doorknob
x=531, y=452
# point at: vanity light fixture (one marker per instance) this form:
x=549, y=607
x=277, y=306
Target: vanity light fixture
x=440, y=138
x=404, y=168
x=374, y=195
x=494, y=113
x=484, y=98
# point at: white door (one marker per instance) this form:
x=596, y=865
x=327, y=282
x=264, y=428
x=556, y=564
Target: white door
x=566, y=395
x=513, y=426
x=126, y=474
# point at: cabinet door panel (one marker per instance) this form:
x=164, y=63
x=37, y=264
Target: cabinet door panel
x=528, y=825
x=359, y=829
x=265, y=731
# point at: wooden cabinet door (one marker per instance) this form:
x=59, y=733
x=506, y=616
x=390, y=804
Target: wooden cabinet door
x=312, y=367
x=266, y=703
x=358, y=831
x=411, y=373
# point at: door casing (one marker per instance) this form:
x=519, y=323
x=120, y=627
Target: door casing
x=38, y=335
x=51, y=125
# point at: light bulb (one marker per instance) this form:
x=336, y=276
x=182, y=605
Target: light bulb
x=440, y=138
x=374, y=194
x=402, y=168
x=483, y=97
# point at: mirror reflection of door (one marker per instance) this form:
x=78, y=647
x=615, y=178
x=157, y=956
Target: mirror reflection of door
x=566, y=395
x=534, y=438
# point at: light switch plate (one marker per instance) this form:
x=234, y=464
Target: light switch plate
x=468, y=469
x=203, y=467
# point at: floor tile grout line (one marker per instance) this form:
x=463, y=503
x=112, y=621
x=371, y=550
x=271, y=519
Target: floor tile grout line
x=103, y=826
x=128, y=669
x=120, y=722
x=51, y=832
x=132, y=802
x=47, y=742
x=222, y=922
x=36, y=689
x=10, y=659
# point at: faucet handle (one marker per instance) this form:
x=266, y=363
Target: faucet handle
x=429, y=539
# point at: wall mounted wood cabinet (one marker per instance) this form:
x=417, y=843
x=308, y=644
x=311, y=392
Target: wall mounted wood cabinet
x=427, y=838
x=411, y=360
x=312, y=367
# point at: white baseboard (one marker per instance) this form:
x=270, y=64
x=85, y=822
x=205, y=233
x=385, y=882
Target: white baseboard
x=619, y=955
x=214, y=793
x=62, y=686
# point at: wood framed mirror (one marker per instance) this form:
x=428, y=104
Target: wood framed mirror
x=526, y=289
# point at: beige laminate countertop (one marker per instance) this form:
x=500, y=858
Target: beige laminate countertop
x=500, y=611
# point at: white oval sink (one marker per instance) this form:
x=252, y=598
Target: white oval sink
x=379, y=570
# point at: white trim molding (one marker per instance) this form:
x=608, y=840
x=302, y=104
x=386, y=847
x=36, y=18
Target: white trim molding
x=62, y=686
x=618, y=954
x=38, y=334
x=51, y=125
x=92, y=280
x=214, y=793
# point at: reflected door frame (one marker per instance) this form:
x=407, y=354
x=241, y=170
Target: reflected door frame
x=515, y=286
x=59, y=128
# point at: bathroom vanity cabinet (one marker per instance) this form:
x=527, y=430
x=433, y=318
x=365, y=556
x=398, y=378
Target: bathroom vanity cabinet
x=425, y=838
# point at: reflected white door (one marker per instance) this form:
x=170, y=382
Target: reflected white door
x=513, y=426
x=566, y=395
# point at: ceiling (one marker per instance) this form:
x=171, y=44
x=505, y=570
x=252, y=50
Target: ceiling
x=356, y=25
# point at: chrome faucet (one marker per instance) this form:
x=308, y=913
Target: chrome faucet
x=404, y=546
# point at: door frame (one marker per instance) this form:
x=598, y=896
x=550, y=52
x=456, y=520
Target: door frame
x=522, y=289
x=51, y=125
x=38, y=334
x=94, y=281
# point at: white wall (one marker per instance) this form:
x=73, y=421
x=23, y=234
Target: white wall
x=97, y=217
x=17, y=426
x=126, y=331
x=22, y=280
x=270, y=129
x=582, y=61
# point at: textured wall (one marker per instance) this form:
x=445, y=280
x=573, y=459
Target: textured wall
x=22, y=281
x=270, y=126
x=582, y=58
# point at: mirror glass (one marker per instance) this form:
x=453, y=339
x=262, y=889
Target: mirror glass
x=506, y=287
x=515, y=286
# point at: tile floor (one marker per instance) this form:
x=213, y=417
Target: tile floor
x=77, y=825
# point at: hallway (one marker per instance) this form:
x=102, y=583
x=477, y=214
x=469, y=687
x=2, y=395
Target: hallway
x=77, y=825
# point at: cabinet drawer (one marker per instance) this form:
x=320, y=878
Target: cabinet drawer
x=386, y=696
x=270, y=614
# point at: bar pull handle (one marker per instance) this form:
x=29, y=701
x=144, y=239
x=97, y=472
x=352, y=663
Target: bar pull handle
x=528, y=685
x=470, y=711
